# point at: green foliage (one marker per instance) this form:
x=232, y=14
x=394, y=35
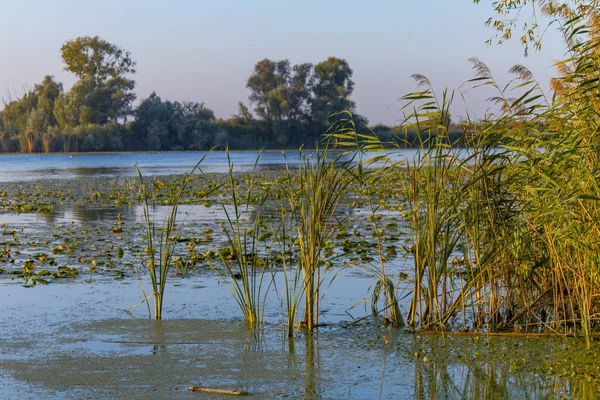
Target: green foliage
x=47, y=93
x=48, y=119
x=294, y=106
x=170, y=125
x=297, y=102
x=246, y=266
x=89, y=102
x=332, y=88
x=99, y=137
x=504, y=234
x=103, y=92
x=17, y=114
x=511, y=13
x=96, y=59
x=269, y=86
x=160, y=247
x=313, y=202
x=281, y=94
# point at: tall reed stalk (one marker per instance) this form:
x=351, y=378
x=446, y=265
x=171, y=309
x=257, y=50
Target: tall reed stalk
x=433, y=188
x=292, y=278
x=321, y=183
x=248, y=270
x=159, y=267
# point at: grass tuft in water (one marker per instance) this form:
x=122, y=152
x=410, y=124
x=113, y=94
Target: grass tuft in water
x=247, y=268
x=160, y=254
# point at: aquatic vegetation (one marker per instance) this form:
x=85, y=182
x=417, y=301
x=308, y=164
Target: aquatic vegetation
x=503, y=233
x=158, y=267
x=384, y=286
x=66, y=272
x=30, y=276
x=498, y=236
x=433, y=185
x=247, y=268
x=313, y=203
x=293, y=283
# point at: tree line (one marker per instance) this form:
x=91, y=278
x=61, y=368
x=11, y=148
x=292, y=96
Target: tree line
x=289, y=106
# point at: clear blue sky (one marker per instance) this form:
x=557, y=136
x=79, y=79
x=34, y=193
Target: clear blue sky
x=204, y=51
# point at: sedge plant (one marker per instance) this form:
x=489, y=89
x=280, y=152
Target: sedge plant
x=367, y=176
x=246, y=267
x=505, y=232
x=321, y=182
x=160, y=246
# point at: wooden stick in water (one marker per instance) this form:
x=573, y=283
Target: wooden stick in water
x=217, y=391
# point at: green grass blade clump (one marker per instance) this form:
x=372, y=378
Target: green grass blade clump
x=160, y=248
x=314, y=192
x=246, y=267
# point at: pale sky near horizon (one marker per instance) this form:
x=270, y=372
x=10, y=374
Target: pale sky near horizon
x=204, y=51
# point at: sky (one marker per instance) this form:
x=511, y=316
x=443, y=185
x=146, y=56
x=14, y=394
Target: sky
x=204, y=51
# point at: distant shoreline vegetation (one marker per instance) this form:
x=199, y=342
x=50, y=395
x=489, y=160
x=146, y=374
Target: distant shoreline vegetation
x=292, y=106
x=119, y=143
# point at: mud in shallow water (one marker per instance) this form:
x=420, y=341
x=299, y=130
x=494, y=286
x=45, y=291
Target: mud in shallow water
x=74, y=341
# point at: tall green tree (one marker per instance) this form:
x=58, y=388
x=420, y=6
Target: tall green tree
x=269, y=86
x=104, y=91
x=89, y=102
x=32, y=116
x=165, y=125
x=300, y=93
x=94, y=58
x=281, y=94
x=154, y=122
x=47, y=92
x=332, y=88
x=280, y=91
x=196, y=130
x=16, y=113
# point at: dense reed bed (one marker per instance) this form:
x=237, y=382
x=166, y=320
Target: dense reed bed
x=504, y=233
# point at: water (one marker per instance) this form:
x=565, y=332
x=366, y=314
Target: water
x=19, y=167
x=27, y=167
x=73, y=339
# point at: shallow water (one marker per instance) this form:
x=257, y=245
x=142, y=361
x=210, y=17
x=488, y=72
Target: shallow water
x=26, y=167
x=23, y=167
x=75, y=338
x=75, y=341
x=82, y=215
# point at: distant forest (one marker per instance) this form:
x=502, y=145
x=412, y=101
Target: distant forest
x=290, y=106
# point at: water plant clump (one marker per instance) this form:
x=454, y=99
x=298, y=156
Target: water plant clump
x=247, y=265
x=160, y=255
x=503, y=231
x=313, y=203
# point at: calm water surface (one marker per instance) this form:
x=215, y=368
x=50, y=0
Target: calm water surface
x=18, y=167
x=74, y=339
x=21, y=167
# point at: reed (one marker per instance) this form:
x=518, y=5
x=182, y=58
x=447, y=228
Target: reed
x=321, y=181
x=504, y=233
x=160, y=254
x=292, y=278
x=368, y=177
x=433, y=185
x=246, y=267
